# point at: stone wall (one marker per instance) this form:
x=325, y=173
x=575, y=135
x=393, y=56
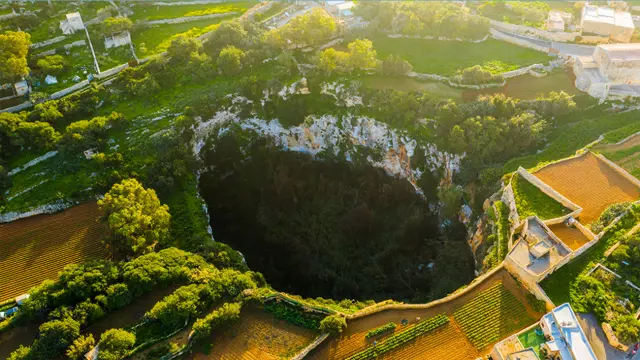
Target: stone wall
x=531, y=31
x=69, y=90
x=551, y=192
x=517, y=41
x=9, y=16
x=441, y=38
x=304, y=352
x=67, y=47
x=619, y=170
x=47, y=42
x=18, y=107
x=190, y=18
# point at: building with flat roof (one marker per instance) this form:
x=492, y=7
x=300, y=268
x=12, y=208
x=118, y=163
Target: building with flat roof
x=612, y=67
x=617, y=25
x=567, y=340
x=72, y=23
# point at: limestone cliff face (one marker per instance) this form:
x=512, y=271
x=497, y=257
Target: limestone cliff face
x=351, y=137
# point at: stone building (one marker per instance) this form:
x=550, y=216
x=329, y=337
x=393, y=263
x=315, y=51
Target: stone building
x=617, y=25
x=118, y=39
x=613, y=69
x=72, y=24
x=558, y=20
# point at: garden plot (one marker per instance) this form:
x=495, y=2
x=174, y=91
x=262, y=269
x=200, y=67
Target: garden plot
x=589, y=183
x=570, y=236
x=625, y=154
x=257, y=335
x=532, y=201
x=434, y=344
x=37, y=248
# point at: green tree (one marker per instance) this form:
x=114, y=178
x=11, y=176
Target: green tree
x=115, y=344
x=457, y=141
x=228, y=33
x=114, y=25
x=14, y=47
x=80, y=346
x=48, y=111
x=53, y=64
x=333, y=324
x=230, y=60
x=451, y=199
x=182, y=47
x=331, y=60
x=135, y=216
x=21, y=353
x=55, y=337
x=394, y=65
x=362, y=55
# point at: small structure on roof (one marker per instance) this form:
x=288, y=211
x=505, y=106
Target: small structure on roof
x=50, y=79
x=71, y=24
x=558, y=20
x=617, y=25
x=21, y=88
x=5, y=314
x=117, y=39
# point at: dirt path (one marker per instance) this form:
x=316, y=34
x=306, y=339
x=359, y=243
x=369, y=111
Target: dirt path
x=590, y=183
x=353, y=338
x=634, y=140
x=13, y=338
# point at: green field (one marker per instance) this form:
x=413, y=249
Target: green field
x=446, y=57
x=142, y=11
x=532, y=201
x=567, y=138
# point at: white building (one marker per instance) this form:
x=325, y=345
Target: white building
x=555, y=22
x=612, y=69
x=568, y=341
x=21, y=87
x=117, y=39
x=72, y=24
x=617, y=25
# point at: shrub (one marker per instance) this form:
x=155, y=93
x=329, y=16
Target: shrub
x=333, y=324
x=53, y=64
x=394, y=65
x=115, y=344
x=293, y=315
x=608, y=215
x=228, y=312
x=476, y=75
x=388, y=327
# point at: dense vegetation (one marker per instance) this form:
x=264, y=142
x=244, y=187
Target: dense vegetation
x=347, y=230
x=532, y=201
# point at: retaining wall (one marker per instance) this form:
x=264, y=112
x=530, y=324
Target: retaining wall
x=619, y=170
x=517, y=41
x=456, y=294
x=47, y=42
x=18, y=107
x=539, y=33
x=67, y=47
x=304, y=352
x=441, y=38
x=551, y=192
x=69, y=90
x=190, y=18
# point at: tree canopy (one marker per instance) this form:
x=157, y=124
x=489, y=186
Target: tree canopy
x=14, y=47
x=135, y=216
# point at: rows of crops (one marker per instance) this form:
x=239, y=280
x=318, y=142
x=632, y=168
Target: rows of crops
x=37, y=248
x=402, y=337
x=492, y=315
x=388, y=327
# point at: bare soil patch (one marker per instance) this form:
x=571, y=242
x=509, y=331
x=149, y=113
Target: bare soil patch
x=572, y=237
x=353, y=340
x=257, y=335
x=590, y=183
x=37, y=248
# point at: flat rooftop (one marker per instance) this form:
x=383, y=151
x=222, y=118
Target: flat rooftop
x=622, y=52
x=538, y=250
x=567, y=334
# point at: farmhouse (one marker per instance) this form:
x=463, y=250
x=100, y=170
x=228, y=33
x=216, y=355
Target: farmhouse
x=116, y=40
x=613, y=69
x=72, y=24
x=618, y=25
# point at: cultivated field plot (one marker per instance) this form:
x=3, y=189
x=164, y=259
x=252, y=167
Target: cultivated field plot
x=433, y=344
x=571, y=237
x=492, y=315
x=257, y=335
x=37, y=248
x=590, y=183
x=446, y=342
x=625, y=155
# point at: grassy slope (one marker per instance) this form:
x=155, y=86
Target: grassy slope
x=562, y=284
x=171, y=12
x=446, y=57
x=531, y=201
x=571, y=137
x=620, y=134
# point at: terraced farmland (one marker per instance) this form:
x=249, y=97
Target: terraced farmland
x=37, y=248
x=492, y=315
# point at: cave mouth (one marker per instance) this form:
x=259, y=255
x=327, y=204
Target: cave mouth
x=330, y=228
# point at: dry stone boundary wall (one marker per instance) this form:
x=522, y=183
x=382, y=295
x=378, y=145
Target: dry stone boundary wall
x=190, y=18
x=47, y=42
x=542, y=34
x=517, y=41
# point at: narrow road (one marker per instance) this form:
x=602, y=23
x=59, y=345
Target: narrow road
x=564, y=48
x=309, y=5
x=598, y=340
